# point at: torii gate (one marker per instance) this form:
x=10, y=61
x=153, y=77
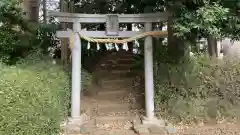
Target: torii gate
x=112, y=21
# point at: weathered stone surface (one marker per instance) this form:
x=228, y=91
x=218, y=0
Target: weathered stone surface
x=141, y=129
x=155, y=129
x=171, y=129
x=87, y=128
x=100, y=132
x=75, y=121
x=114, y=132
x=76, y=125
x=154, y=121
x=72, y=129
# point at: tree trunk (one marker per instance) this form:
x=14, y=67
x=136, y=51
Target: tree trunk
x=212, y=46
x=44, y=11
x=34, y=11
x=64, y=41
x=31, y=7
x=176, y=46
x=130, y=44
x=24, y=6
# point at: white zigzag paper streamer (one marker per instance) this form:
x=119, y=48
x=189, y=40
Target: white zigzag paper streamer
x=116, y=46
x=107, y=47
x=98, y=46
x=136, y=43
x=110, y=46
x=125, y=46
x=88, y=46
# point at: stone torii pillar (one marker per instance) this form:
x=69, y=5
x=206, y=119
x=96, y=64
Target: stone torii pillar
x=76, y=74
x=148, y=64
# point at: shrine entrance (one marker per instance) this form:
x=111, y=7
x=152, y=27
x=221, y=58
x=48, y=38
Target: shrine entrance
x=110, y=36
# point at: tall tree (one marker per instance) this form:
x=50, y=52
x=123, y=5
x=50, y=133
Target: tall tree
x=34, y=10
x=204, y=18
x=190, y=19
x=44, y=3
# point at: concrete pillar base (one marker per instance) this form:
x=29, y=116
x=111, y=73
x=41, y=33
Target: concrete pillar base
x=155, y=121
x=73, y=125
x=153, y=126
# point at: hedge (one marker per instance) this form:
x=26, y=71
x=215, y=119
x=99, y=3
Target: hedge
x=201, y=90
x=34, y=98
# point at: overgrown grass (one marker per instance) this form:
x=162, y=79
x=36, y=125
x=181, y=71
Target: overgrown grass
x=198, y=90
x=34, y=97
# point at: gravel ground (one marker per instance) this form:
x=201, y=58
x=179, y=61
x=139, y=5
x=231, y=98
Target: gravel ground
x=219, y=129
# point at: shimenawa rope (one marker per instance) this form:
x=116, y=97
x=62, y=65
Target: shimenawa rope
x=114, y=40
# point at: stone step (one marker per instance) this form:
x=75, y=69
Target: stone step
x=88, y=127
x=120, y=56
x=104, y=103
x=125, y=61
x=125, y=102
x=117, y=79
x=116, y=66
x=119, y=110
x=91, y=128
x=112, y=86
x=112, y=62
x=114, y=109
x=106, y=88
x=112, y=104
x=127, y=81
x=116, y=131
x=119, y=96
x=120, y=104
x=118, y=73
x=128, y=58
x=112, y=97
x=115, y=120
x=106, y=74
x=115, y=72
x=123, y=66
x=110, y=92
x=118, y=61
x=122, y=53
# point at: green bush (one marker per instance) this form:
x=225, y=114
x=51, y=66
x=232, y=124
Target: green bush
x=18, y=36
x=34, y=97
x=200, y=90
x=14, y=30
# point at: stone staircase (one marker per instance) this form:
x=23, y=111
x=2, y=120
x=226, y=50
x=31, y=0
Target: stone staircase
x=117, y=105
